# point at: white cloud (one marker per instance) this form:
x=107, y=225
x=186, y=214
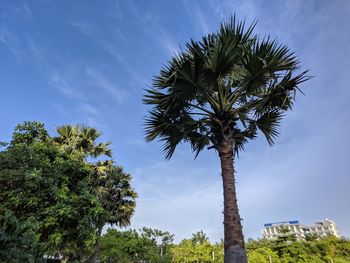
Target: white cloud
x=112, y=49
x=83, y=28
x=64, y=87
x=88, y=109
x=168, y=44
x=101, y=81
x=198, y=17
x=11, y=41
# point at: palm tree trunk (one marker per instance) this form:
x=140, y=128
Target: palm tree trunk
x=233, y=236
x=94, y=257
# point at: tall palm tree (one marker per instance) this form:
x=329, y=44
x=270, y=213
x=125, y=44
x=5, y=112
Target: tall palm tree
x=219, y=93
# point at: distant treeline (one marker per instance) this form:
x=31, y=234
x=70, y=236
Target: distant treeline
x=149, y=245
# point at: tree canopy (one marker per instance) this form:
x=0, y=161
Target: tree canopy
x=230, y=83
x=52, y=200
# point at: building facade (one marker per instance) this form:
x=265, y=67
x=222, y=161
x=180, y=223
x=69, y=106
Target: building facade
x=320, y=229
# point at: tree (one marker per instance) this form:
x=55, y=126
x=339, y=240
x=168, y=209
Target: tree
x=112, y=184
x=78, y=139
x=198, y=249
x=219, y=93
x=160, y=238
x=199, y=237
x=263, y=255
x=55, y=200
x=133, y=246
x=287, y=249
x=46, y=206
x=119, y=246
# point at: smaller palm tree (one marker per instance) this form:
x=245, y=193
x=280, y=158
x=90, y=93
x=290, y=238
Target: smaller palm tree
x=82, y=139
x=111, y=185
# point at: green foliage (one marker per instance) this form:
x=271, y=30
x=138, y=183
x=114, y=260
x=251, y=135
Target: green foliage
x=148, y=245
x=192, y=251
x=263, y=255
x=47, y=192
x=293, y=251
x=223, y=88
x=78, y=139
x=199, y=237
x=141, y=246
x=18, y=238
x=111, y=184
x=53, y=199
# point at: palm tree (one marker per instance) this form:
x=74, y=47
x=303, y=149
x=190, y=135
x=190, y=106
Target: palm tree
x=219, y=93
x=117, y=197
x=83, y=140
x=111, y=184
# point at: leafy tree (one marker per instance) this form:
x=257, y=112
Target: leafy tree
x=45, y=198
x=197, y=249
x=112, y=184
x=131, y=246
x=311, y=237
x=184, y=252
x=54, y=198
x=199, y=237
x=218, y=252
x=18, y=239
x=161, y=238
x=219, y=93
x=263, y=255
x=293, y=251
x=119, y=246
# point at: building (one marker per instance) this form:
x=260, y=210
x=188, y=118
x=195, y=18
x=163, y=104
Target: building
x=321, y=229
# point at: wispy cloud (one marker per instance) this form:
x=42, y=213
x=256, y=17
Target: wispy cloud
x=85, y=112
x=87, y=108
x=129, y=68
x=83, y=28
x=12, y=10
x=63, y=86
x=112, y=49
x=101, y=81
x=23, y=10
x=242, y=8
x=196, y=14
x=11, y=41
x=168, y=43
x=39, y=55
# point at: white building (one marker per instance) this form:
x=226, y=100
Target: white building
x=321, y=229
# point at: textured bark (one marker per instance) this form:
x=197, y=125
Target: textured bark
x=94, y=258
x=233, y=236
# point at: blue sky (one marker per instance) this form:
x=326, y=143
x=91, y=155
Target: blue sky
x=88, y=62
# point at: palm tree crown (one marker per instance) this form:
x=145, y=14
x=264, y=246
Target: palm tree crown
x=82, y=139
x=222, y=89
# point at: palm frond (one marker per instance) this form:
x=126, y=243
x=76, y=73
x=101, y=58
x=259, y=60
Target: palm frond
x=268, y=124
